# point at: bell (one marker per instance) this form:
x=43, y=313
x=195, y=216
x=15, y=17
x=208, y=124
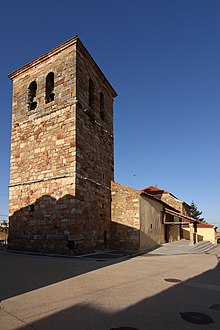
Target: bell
x=33, y=104
x=51, y=95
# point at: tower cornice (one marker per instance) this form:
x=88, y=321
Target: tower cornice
x=43, y=57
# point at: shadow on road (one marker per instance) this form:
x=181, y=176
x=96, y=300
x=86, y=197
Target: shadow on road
x=22, y=273
x=166, y=310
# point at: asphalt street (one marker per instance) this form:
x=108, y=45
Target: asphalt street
x=144, y=292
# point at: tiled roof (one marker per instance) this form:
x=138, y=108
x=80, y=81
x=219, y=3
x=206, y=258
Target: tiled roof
x=203, y=225
x=152, y=190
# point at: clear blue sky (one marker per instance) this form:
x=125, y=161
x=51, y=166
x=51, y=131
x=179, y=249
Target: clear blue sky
x=163, y=59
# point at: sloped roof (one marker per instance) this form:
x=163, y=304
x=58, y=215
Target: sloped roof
x=204, y=225
x=152, y=190
x=143, y=192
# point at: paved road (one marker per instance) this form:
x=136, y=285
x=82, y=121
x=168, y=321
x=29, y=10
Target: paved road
x=53, y=293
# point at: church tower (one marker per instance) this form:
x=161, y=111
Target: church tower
x=62, y=156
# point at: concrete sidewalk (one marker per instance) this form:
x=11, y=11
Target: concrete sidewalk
x=55, y=293
x=183, y=247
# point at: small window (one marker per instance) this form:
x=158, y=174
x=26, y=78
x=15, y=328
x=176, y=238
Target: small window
x=102, y=106
x=91, y=94
x=50, y=87
x=32, y=91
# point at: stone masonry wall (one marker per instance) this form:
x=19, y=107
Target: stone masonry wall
x=95, y=154
x=174, y=202
x=171, y=200
x=62, y=159
x=125, y=226
x=43, y=157
x=186, y=209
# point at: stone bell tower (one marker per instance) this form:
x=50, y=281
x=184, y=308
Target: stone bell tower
x=62, y=157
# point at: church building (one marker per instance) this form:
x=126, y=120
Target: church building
x=62, y=157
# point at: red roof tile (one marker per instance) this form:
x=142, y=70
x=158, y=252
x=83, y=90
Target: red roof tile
x=202, y=225
x=205, y=225
x=152, y=190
